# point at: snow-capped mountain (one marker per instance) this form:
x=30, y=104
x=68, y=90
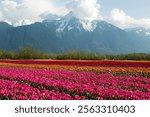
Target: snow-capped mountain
x=71, y=22
x=70, y=33
x=22, y=22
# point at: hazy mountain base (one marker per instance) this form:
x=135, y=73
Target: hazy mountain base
x=30, y=53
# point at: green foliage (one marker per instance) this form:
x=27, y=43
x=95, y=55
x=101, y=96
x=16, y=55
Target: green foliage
x=7, y=55
x=30, y=53
x=77, y=55
x=133, y=56
x=27, y=53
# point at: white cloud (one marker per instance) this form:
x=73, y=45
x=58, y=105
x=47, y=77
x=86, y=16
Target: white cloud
x=8, y=8
x=1, y=16
x=85, y=9
x=145, y=22
x=28, y=9
x=12, y=10
x=121, y=19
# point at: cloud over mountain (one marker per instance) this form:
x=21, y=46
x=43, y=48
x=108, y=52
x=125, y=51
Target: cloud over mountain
x=1, y=15
x=27, y=9
x=85, y=9
x=32, y=9
x=38, y=10
x=121, y=19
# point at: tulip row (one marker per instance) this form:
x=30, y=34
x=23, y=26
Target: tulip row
x=135, y=70
x=81, y=85
x=21, y=91
x=12, y=90
x=145, y=64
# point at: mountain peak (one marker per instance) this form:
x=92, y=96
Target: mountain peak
x=70, y=33
x=22, y=22
x=69, y=20
x=88, y=25
x=69, y=16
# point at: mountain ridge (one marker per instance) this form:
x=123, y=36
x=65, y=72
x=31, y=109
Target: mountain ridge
x=70, y=33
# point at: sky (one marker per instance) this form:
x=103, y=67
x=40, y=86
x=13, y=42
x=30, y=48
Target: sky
x=122, y=13
x=134, y=8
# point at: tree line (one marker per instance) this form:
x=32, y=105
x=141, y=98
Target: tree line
x=30, y=53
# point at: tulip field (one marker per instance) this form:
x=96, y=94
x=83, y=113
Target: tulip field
x=74, y=80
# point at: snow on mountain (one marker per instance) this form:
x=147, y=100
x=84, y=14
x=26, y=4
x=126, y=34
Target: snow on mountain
x=139, y=31
x=64, y=21
x=22, y=22
x=143, y=31
x=147, y=34
x=8, y=22
x=71, y=21
x=88, y=25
